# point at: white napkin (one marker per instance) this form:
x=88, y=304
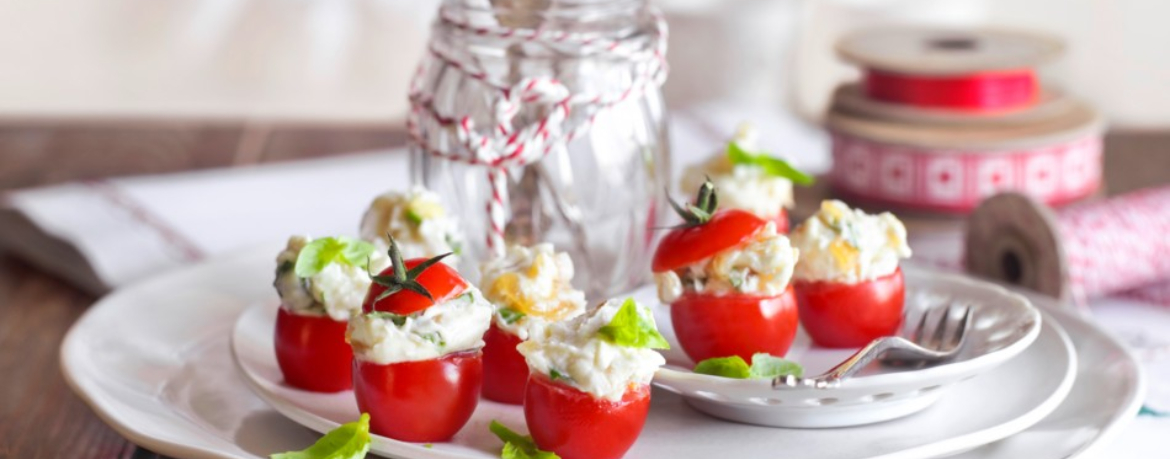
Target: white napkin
x=126, y=229
x=104, y=234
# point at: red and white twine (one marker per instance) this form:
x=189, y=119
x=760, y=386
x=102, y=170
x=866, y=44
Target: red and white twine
x=503, y=145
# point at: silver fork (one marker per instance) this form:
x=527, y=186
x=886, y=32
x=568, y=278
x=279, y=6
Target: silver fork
x=931, y=341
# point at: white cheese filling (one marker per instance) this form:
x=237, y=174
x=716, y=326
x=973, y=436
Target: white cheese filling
x=584, y=360
x=742, y=187
x=418, y=222
x=530, y=288
x=839, y=244
x=454, y=325
x=761, y=266
x=337, y=291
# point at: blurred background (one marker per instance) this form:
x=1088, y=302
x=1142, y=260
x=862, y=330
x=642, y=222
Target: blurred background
x=348, y=61
x=93, y=89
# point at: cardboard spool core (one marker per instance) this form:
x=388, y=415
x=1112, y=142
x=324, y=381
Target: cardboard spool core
x=1013, y=239
x=930, y=51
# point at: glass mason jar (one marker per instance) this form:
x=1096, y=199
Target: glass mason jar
x=543, y=121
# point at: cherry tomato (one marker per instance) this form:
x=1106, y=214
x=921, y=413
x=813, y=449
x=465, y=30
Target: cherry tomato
x=312, y=353
x=442, y=281
x=725, y=325
x=419, y=401
x=851, y=315
x=688, y=245
x=781, y=221
x=576, y=425
x=505, y=372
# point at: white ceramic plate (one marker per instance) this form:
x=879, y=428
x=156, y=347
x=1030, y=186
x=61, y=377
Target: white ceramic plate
x=153, y=360
x=1026, y=389
x=1004, y=325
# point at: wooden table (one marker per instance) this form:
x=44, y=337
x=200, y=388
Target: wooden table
x=41, y=417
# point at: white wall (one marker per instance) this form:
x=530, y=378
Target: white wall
x=350, y=60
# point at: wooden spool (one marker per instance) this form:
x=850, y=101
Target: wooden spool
x=1014, y=239
x=922, y=51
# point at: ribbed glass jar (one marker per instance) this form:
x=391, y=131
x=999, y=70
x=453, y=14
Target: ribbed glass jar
x=596, y=186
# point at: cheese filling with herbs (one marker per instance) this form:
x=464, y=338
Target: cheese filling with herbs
x=602, y=353
x=531, y=287
x=741, y=186
x=454, y=325
x=328, y=277
x=839, y=244
x=761, y=266
x=418, y=222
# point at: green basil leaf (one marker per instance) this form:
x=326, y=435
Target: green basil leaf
x=413, y=217
x=397, y=319
x=348, y=441
x=630, y=329
x=518, y=446
x=765, y=366
x=510, y=315
x=727, y=367
x=554, y=375
x=773, y=166
x=321, y=252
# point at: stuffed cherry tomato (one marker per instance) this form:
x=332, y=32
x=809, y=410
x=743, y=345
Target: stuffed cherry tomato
x=321, y=283
x=505, y=372
x=418, y=370
x=577, y=425
x=588, y=393
x=851, y=315
x=530, y=289
x=710, y=326
x=748, y=179
x=849, y=287
x=725, y=276
x=417, y=221
x=420, y=400
x=312, y=353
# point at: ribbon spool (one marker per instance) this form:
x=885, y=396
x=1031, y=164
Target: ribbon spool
x=944, y=119
x=951, y=168
x=970, y=71
x=1080, y=252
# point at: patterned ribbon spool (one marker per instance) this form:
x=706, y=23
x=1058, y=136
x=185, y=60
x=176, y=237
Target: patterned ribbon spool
x=951, y=168
x=503, y=145
x=1079, y=252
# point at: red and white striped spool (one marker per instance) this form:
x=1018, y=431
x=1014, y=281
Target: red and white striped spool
x=1082, y=251
x=951, y=168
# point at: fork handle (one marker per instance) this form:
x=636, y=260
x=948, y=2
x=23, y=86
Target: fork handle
x=861, y=358
x=851, y=365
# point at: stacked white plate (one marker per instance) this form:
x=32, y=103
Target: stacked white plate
x=176, y=363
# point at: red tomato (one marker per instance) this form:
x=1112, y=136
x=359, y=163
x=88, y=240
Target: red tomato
x=505, y=372
x=851, y=315
x=781, y=221
x=312, y=353
x=577, y=425
x=688, y=245
x=724, y=325
x=419, y=401
x=441, y=280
